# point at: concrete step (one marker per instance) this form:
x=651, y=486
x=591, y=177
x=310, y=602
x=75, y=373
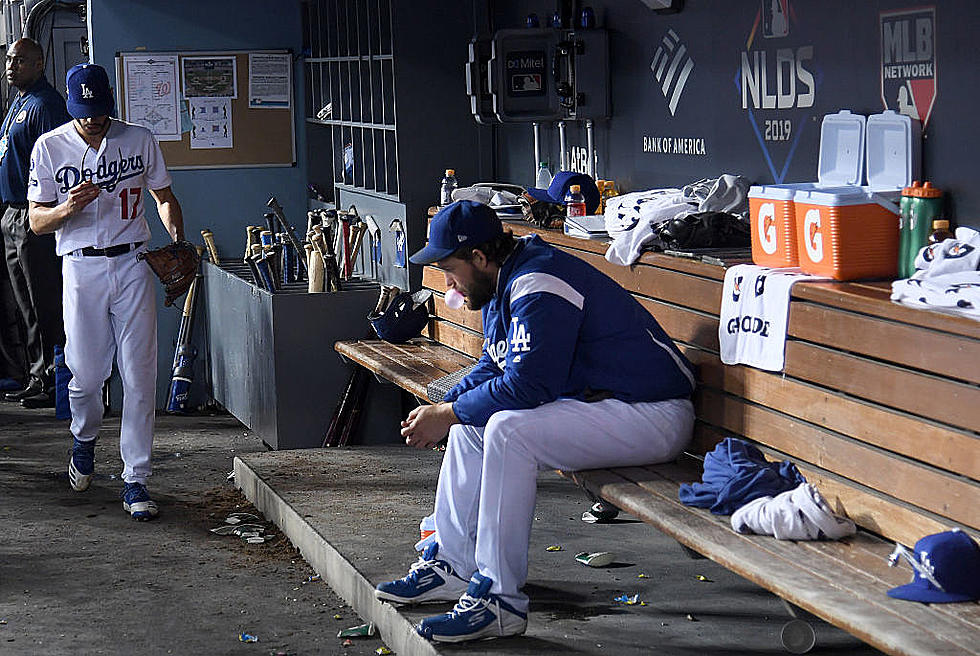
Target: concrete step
x=354, y=513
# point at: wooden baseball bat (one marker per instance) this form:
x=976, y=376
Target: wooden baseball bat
x=357, y=237
x=333, y=429
x=316, y=270
x=273, y=204
x=359, y=396
x=209, y=242
x=184, y=354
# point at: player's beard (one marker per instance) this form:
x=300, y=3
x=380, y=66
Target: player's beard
x=480, y=290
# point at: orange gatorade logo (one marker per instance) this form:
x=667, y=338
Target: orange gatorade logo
x=812, y=238
x=767, y=228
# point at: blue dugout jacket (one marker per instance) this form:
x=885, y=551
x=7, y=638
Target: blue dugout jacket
x=32, y=113
x=557, y=327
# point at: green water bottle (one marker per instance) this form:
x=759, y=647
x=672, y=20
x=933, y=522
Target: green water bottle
x=904, y=207
x=925, y=206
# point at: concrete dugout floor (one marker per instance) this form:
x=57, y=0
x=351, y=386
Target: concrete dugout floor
x=354, y=514
x=78, y=576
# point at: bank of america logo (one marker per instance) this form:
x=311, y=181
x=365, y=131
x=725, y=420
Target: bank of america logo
x=671, y=67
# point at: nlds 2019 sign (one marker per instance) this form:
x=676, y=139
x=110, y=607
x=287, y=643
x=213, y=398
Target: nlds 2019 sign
x=777, y=83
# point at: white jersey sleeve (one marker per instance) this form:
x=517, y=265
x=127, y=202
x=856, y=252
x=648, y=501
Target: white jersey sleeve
x=157, y=175
x=41, y=186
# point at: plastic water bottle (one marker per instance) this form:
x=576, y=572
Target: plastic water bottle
x=447, y=187
x=925, y=206
x=574, y=202
x=940, y=231
x=543, y=179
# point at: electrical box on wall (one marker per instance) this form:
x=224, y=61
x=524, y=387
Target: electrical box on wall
x=547, y=74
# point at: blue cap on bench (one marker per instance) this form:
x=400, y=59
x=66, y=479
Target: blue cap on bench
x=556, y=192
x=951, y=559
x=459, y=224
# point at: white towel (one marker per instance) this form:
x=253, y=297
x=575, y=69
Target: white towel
x=952, y=292
x=950, y=255
x=799, y=514
x=754, y=314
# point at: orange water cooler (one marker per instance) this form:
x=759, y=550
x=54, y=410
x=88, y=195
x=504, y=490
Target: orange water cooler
x=772, y=208
x=850, y=232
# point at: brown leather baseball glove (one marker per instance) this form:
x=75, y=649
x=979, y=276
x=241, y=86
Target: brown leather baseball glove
x=175, y=265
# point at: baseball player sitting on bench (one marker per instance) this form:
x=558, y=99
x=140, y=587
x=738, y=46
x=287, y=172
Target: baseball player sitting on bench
x=574, y=374
x=86, y=185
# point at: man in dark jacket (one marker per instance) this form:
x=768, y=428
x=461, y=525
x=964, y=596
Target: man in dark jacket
x=35, y=269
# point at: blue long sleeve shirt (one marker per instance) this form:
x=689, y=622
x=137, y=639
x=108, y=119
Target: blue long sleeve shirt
x=557, y=327
x=37, y=110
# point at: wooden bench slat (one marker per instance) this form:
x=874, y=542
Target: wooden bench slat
x=874, y=299
x=386, y=367
x=411, y=366
x=948, y=449
x=912, y=346
x=680, y=288
x=883, y=515
x=946, y=400
x=599, y=247
x=920, y=485
x=462, y=316
x=823, y=559
x=882, y=626
x=456, y=337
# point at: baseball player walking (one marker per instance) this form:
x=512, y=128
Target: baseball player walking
x=34, y=268
x=86, y=185
x=574, y=374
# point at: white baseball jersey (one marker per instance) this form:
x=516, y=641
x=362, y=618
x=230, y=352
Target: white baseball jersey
x=127, y=163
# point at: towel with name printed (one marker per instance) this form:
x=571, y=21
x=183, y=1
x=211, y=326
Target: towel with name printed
x=755, y=313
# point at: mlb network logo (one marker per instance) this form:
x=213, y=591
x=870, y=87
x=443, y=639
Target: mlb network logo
x=671, y=67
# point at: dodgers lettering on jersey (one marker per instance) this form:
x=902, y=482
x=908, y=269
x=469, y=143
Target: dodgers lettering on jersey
x=105, y=174
x=127, y=163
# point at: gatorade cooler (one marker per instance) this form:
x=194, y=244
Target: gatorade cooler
x=772, y=207
x=849, y=232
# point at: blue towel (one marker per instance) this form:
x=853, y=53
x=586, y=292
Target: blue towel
x=735, y=473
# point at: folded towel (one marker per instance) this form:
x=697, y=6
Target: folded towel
x=799, y=514
x=952, y=292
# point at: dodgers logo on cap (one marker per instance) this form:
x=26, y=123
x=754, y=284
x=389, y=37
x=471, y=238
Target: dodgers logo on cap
x=89, y=92
x=947, y=569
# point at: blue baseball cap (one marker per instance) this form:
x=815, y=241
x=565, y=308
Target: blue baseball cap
x=89, y=93
x=555, y=193
x=459, y=224
x=947, y=569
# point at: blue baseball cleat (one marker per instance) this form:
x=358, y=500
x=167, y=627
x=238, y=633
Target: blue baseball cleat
x=478, y=615
x=81, y=467
x=137, y=502
x=428, y=580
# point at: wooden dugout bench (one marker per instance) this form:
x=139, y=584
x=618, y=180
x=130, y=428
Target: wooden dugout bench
x=878, y=405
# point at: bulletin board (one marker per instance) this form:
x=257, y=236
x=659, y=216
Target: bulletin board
x=253, y=124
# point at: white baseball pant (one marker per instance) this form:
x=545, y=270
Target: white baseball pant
x=487, y=484
x=110, y=310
